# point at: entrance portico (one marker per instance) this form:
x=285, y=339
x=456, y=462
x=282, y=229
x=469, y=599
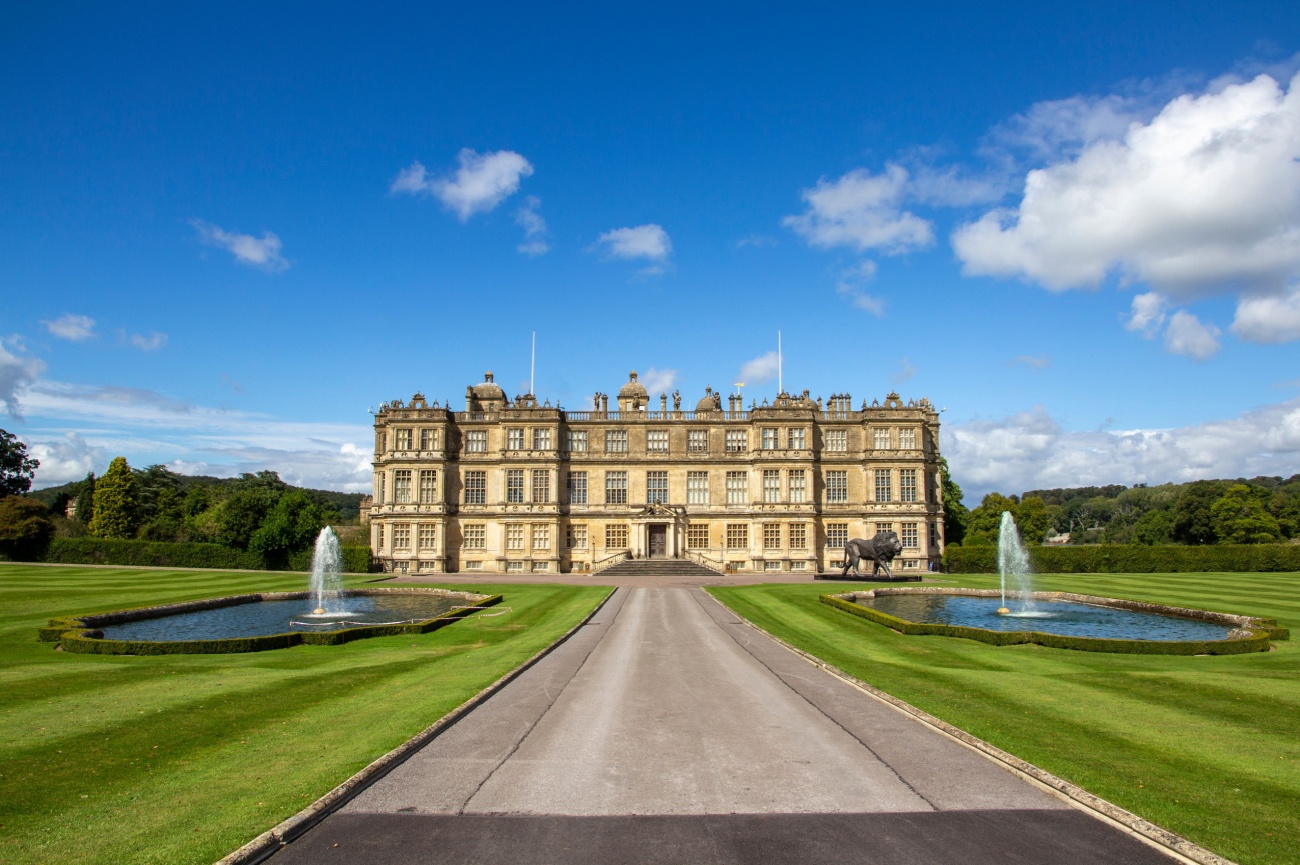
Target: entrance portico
x=658, y=532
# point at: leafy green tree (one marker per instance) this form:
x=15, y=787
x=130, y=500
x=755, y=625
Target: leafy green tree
x=291, y=525
x=242, y=514
x=85, y=511
x=117, y=502
x=1193, y=523
x=197, y=500
x=1153, y=527
x=25, y=527
x=167, y=523
x=1239, y=517
x=986, y=520
x=1033, y=518
x=1285, y=508
x=152, y=482
x=955, y=514
x=16, y=468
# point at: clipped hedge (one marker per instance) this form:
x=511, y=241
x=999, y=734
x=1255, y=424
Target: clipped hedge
x=1133, y=559
x=1258, y=641
x=159, y=554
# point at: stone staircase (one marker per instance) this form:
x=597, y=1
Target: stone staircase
x=656, y=568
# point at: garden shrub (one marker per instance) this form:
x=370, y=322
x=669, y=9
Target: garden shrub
x=1133, y=559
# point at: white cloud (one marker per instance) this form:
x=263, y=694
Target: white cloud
x=1031, y=451
x=658, y=381
x=72, y=327
x=1187, y=335
x=1050, y=128
x=480, y=183
x=64, y=460
x=850, y=286
x=262, y=253
x=534, y=227
x=862, y=211
x=1203, y=199
x=17, y=374
x=904, y=373
x=1147, y=315
x=952, y=187
x=760, y=369
x=1032, y=361
x=152, y=342
x=643, y=241
x=1268, y=319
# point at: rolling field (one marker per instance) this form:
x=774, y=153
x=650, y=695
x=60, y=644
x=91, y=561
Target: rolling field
x=1208, y=747
x=183, y=758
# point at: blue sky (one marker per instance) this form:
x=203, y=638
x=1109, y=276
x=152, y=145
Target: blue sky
x=227, y=231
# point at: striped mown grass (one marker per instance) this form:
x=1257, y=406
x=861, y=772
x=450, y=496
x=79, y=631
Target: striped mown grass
x=1208, y=747
x=182, y=758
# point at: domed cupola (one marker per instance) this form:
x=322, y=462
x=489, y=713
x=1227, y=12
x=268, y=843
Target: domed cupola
x=632, y=396
x=710, y=401
x=486, y=396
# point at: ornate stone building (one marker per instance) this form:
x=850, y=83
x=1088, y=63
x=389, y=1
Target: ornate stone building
x=516, y=486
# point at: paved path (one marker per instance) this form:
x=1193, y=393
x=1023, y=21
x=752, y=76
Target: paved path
x=667, y=731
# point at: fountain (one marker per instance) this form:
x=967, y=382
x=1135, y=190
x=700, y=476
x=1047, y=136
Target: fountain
x=1014, y=567
x=326, y=587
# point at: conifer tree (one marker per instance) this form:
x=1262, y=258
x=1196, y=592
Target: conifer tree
x=117, y=502
x=86, y=500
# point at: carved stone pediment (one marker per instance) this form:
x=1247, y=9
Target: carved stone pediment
x=654, y=509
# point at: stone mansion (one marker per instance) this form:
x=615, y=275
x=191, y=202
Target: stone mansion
x=511, y=486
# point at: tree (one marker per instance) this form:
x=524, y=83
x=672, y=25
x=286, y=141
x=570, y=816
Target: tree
x=25, y=527
x=117, y=503
x=1239, y=517
x=986, y=520
x=291, y=525
x=1034, y=518
x=1193, y=523
x=167, y=522
x=85, y=511
x=1153, y=527
x=1285, y=508
x=955, y=514
x=16, y=468
x=242, y=514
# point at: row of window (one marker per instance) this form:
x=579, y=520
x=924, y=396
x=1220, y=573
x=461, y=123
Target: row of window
x=538, y=537
x=656, y=440
x=405, y=440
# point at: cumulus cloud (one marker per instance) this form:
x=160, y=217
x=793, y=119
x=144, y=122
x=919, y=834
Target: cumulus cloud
x=1268, y=319
x=534, y=227
x=649, y=242
x=66, y=459
x=658, y=381
x=1030, y=450
x=862, y=211
x=1202, y=199
x=17, y=373
x=1187, y=335
x=850, y=287
x=262, y=253
x=760, y=369
x=71, y=327
x=1052, y=128
x=479, y=184
x=1147, y=315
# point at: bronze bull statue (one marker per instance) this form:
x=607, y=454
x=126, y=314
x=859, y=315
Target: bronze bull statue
x=880, y=550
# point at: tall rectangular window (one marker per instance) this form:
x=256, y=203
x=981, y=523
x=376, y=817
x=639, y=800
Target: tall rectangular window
x=616, y=441
x=428, y=536
x=883, y=493
x=541, y=538
x=515, y=486
x=796, y=438
x=541, y=486
x=402, y=536
x=907, y=439
x=697, y=488
x=379, y=488
x=616, y=536
x=771, y=536
x=771, y=438
x=475, y=536
x=541, y=439
x=907, y=485
x=476, y=441
x=615, y=488
x=577, y=537
x=697, y=441
x=577, y=488
x=771, y=485
x=884, y=527
x=697, y=536
x=798, y=536
x=882, y=439
x=737, y=441
x=403, y=439
x=737, y=488
x=428, y=439
x=837, y=440
x=737, y=536
x=656, y=488
x=577, y=441
x=908, y=536
x=475, y=488
x=837, y=535
x=428, y=486
x=514, y=439
x=514, y=536
x=402, y=486
x=837, y=487
x=656, y=441
x=798, y=487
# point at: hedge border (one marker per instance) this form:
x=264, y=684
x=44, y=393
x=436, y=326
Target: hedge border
x=1253, y=634
x=1133, y=559
x=83, y=634
x=164, y=554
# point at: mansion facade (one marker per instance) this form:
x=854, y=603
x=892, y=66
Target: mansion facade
x=511, y=486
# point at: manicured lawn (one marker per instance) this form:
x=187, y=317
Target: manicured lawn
x=1208, y=747
x=183, y=758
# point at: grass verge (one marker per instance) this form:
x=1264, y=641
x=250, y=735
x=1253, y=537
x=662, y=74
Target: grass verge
x=183, y=758
x=1208, y=747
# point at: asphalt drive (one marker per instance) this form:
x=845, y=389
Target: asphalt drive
x=665, y=730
